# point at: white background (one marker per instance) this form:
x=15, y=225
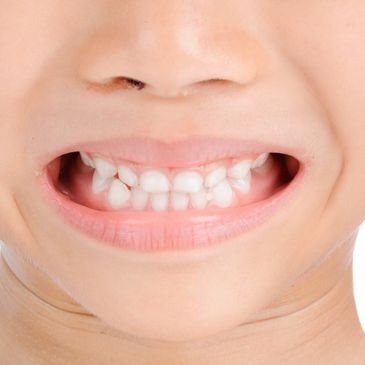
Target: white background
x=359, y=275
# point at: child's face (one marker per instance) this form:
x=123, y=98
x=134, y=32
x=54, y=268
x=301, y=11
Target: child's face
x=295, y=76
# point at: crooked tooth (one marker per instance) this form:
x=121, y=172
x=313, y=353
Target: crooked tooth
x=88, y=161
x=215, y=177
x=179, y=201
x=127, y=176
x=118, y=194
x=242, y=185
x=99, y=183
x=104, y=167
x=222, y=194
x=187, y=182
x=199, y=199
x=154, y=181
x=159, y=201
x=139, y=198
x=260, y=160
x=240, y=169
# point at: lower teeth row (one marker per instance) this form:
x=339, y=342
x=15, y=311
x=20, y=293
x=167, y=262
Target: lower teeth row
x=189, y=189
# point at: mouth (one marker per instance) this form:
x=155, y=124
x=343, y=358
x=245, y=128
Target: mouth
x=175, y=196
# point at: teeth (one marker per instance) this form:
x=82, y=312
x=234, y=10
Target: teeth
x=127, y=176
x=215, y=177
x=187, y=182
x=199, y=199
x=217, y=187
x=179, y=201
x=118, y=194
x=139, y=198
x=260, y=160
x=222, y=194
x=159, y=201
x=99, y=183
x=242, y=185
x=153, y=181
x=87, y=160
x=240, y=169
x=104, y=168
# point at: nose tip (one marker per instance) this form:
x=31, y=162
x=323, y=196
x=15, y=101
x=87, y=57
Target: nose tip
x=173, y=63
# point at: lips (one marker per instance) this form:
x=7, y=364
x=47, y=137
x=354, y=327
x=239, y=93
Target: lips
x=172, y=230
x=181, y=153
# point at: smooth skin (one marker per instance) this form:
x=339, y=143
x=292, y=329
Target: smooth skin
x=281, y=296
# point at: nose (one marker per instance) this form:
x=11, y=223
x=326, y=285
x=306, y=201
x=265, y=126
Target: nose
x=168, y=48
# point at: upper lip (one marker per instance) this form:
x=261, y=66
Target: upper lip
x=193, y=151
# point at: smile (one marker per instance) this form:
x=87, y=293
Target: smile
x=175, y=196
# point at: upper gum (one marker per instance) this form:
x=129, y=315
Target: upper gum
x=171, y=171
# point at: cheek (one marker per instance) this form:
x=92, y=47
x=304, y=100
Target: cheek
x=326, y=45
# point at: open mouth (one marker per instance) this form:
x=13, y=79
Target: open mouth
x=145, y=207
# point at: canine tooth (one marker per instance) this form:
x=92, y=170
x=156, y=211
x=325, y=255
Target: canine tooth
x=222, y=194
x=187, y=182
x=88, y=161
x=179, y=201
x=153, y=181
x=127, y=176
x=104, y=167
x=260, y=160
x=242, y=185
x=240, y=169
x=139, y=198
x=118, y=194
x=199, y=199
x=215, y=177
x=99, y=183
x=159, y=201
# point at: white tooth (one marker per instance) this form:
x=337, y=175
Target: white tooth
x=240, y=169
x=153, y=181
x=215, y=177
x=118, y=194
x=104, y=167
x=222, y=194
x=127, y=176
x=99, y=183
x=139, y=198
x=199, y=199
x=260, y=160
x=242, y=185
x=187, y=182
x=159, y=201
x=179, y=201
x=88, y=161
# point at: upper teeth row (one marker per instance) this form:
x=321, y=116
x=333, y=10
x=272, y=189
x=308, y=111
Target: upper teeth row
x=215, y=186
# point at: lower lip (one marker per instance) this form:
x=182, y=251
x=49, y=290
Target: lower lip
x=151, y=232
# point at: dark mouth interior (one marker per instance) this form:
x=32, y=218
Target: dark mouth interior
x=60, y=168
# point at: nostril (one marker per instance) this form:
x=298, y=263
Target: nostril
x=132, y=83
x=115, y=83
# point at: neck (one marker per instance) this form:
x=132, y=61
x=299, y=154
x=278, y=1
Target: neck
x=314, y=322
